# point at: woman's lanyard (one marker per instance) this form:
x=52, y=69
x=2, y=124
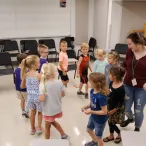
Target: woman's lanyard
x=134, y=66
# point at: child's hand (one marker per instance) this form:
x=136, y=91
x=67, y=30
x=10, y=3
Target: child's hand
x=64, y=73
x=83, y=109
x=77, y=75
x=87, y=112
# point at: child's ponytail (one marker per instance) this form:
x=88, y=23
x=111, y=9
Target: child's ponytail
x=23, y=68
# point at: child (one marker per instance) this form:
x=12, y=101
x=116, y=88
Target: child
x=101, y=62
x=51, y=92
x=21, y=93
x=115, y=103
x=82, y=69
x=43, y=52
x=63, y=63
x=98, y=109
x=113, y=60
x=31, y=82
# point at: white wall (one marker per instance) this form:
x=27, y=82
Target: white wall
x=116, y=24
x=100, y=22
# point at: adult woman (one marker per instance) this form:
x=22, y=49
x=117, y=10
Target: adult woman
x=135, y=79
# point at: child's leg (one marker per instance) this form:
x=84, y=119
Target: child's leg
x=32, y=119
x=58, y=127
x=22, y=105
x=80, y=86
x=47, y=129
x=111, y=129
x=39, y=119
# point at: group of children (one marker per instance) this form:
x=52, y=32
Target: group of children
x=37, y=86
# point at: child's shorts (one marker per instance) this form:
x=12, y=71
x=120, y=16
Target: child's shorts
x=84, y=78
x=33, y=104
x=52, y=118
x=63, y=77
x=99, y=128
x=21, y=95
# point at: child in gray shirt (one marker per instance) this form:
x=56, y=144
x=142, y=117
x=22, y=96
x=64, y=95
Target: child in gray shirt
x=51, y=92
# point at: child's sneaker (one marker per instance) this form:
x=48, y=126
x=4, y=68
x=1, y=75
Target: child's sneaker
x=65, y=136
x=26, y=114
x=33, y=132
x=86, y=95
x=91, y=143
x=80, y=93
x=39, y=131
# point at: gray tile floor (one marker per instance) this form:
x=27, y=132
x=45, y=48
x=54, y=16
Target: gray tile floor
x=14, y=129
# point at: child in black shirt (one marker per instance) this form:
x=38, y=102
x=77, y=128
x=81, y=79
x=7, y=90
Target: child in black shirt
x=115, y=103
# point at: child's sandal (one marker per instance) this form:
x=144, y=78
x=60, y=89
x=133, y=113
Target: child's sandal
x=118, y=140
x=107, y=139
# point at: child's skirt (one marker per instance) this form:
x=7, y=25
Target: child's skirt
x=118, y=116
x=52, y=118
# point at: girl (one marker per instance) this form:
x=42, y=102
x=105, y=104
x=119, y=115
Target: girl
x=31, y=82
x=98, y=109
x=115, y=103
x=51, y=92
x=101, y=62
x=63, y=63
x=113, y=60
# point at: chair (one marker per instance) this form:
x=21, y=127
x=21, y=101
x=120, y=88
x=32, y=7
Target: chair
x=92, y=45
x=72, y=59
x=2, y=42
x=6, y=64
x=11, y=47
x=30, y=47
x=70, y=42
x=121, y=49
x=50, y=43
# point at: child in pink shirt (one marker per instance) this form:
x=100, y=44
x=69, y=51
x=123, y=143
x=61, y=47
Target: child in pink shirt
x=63, y=63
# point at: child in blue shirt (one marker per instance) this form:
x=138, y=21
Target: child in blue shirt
x=97, y=109
x=21, y=93
x=43, y=52
x=101, y=62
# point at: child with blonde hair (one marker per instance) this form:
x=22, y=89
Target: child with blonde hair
x=63, y=63
x=51, y=92
x=97, y=109
x=101, y=62
x=30, y=81
x=113, y=60
x=82, y=69
x=43, y=52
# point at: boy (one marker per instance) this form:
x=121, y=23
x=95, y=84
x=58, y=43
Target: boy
x=21, y=93
x=43, y=52
x=82, y=69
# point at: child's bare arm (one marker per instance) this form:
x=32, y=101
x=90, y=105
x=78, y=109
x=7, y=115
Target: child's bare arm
x=103, y=111
x=41, y=97
x=23, y=83
x=78, y=65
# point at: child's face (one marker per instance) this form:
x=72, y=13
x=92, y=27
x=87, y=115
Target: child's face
x=110, y=60
x=84, y=50
x=63, y=47
x=44, y=53
x=101, y=58
x=111, y=77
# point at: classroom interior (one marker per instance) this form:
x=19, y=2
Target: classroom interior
x=107, y=21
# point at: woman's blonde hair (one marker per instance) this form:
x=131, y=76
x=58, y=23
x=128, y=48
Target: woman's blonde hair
x=27, y=63
x=115, y=56
x=48, y=71
x=84, y=45
x=101, y=52
x=99, y=82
